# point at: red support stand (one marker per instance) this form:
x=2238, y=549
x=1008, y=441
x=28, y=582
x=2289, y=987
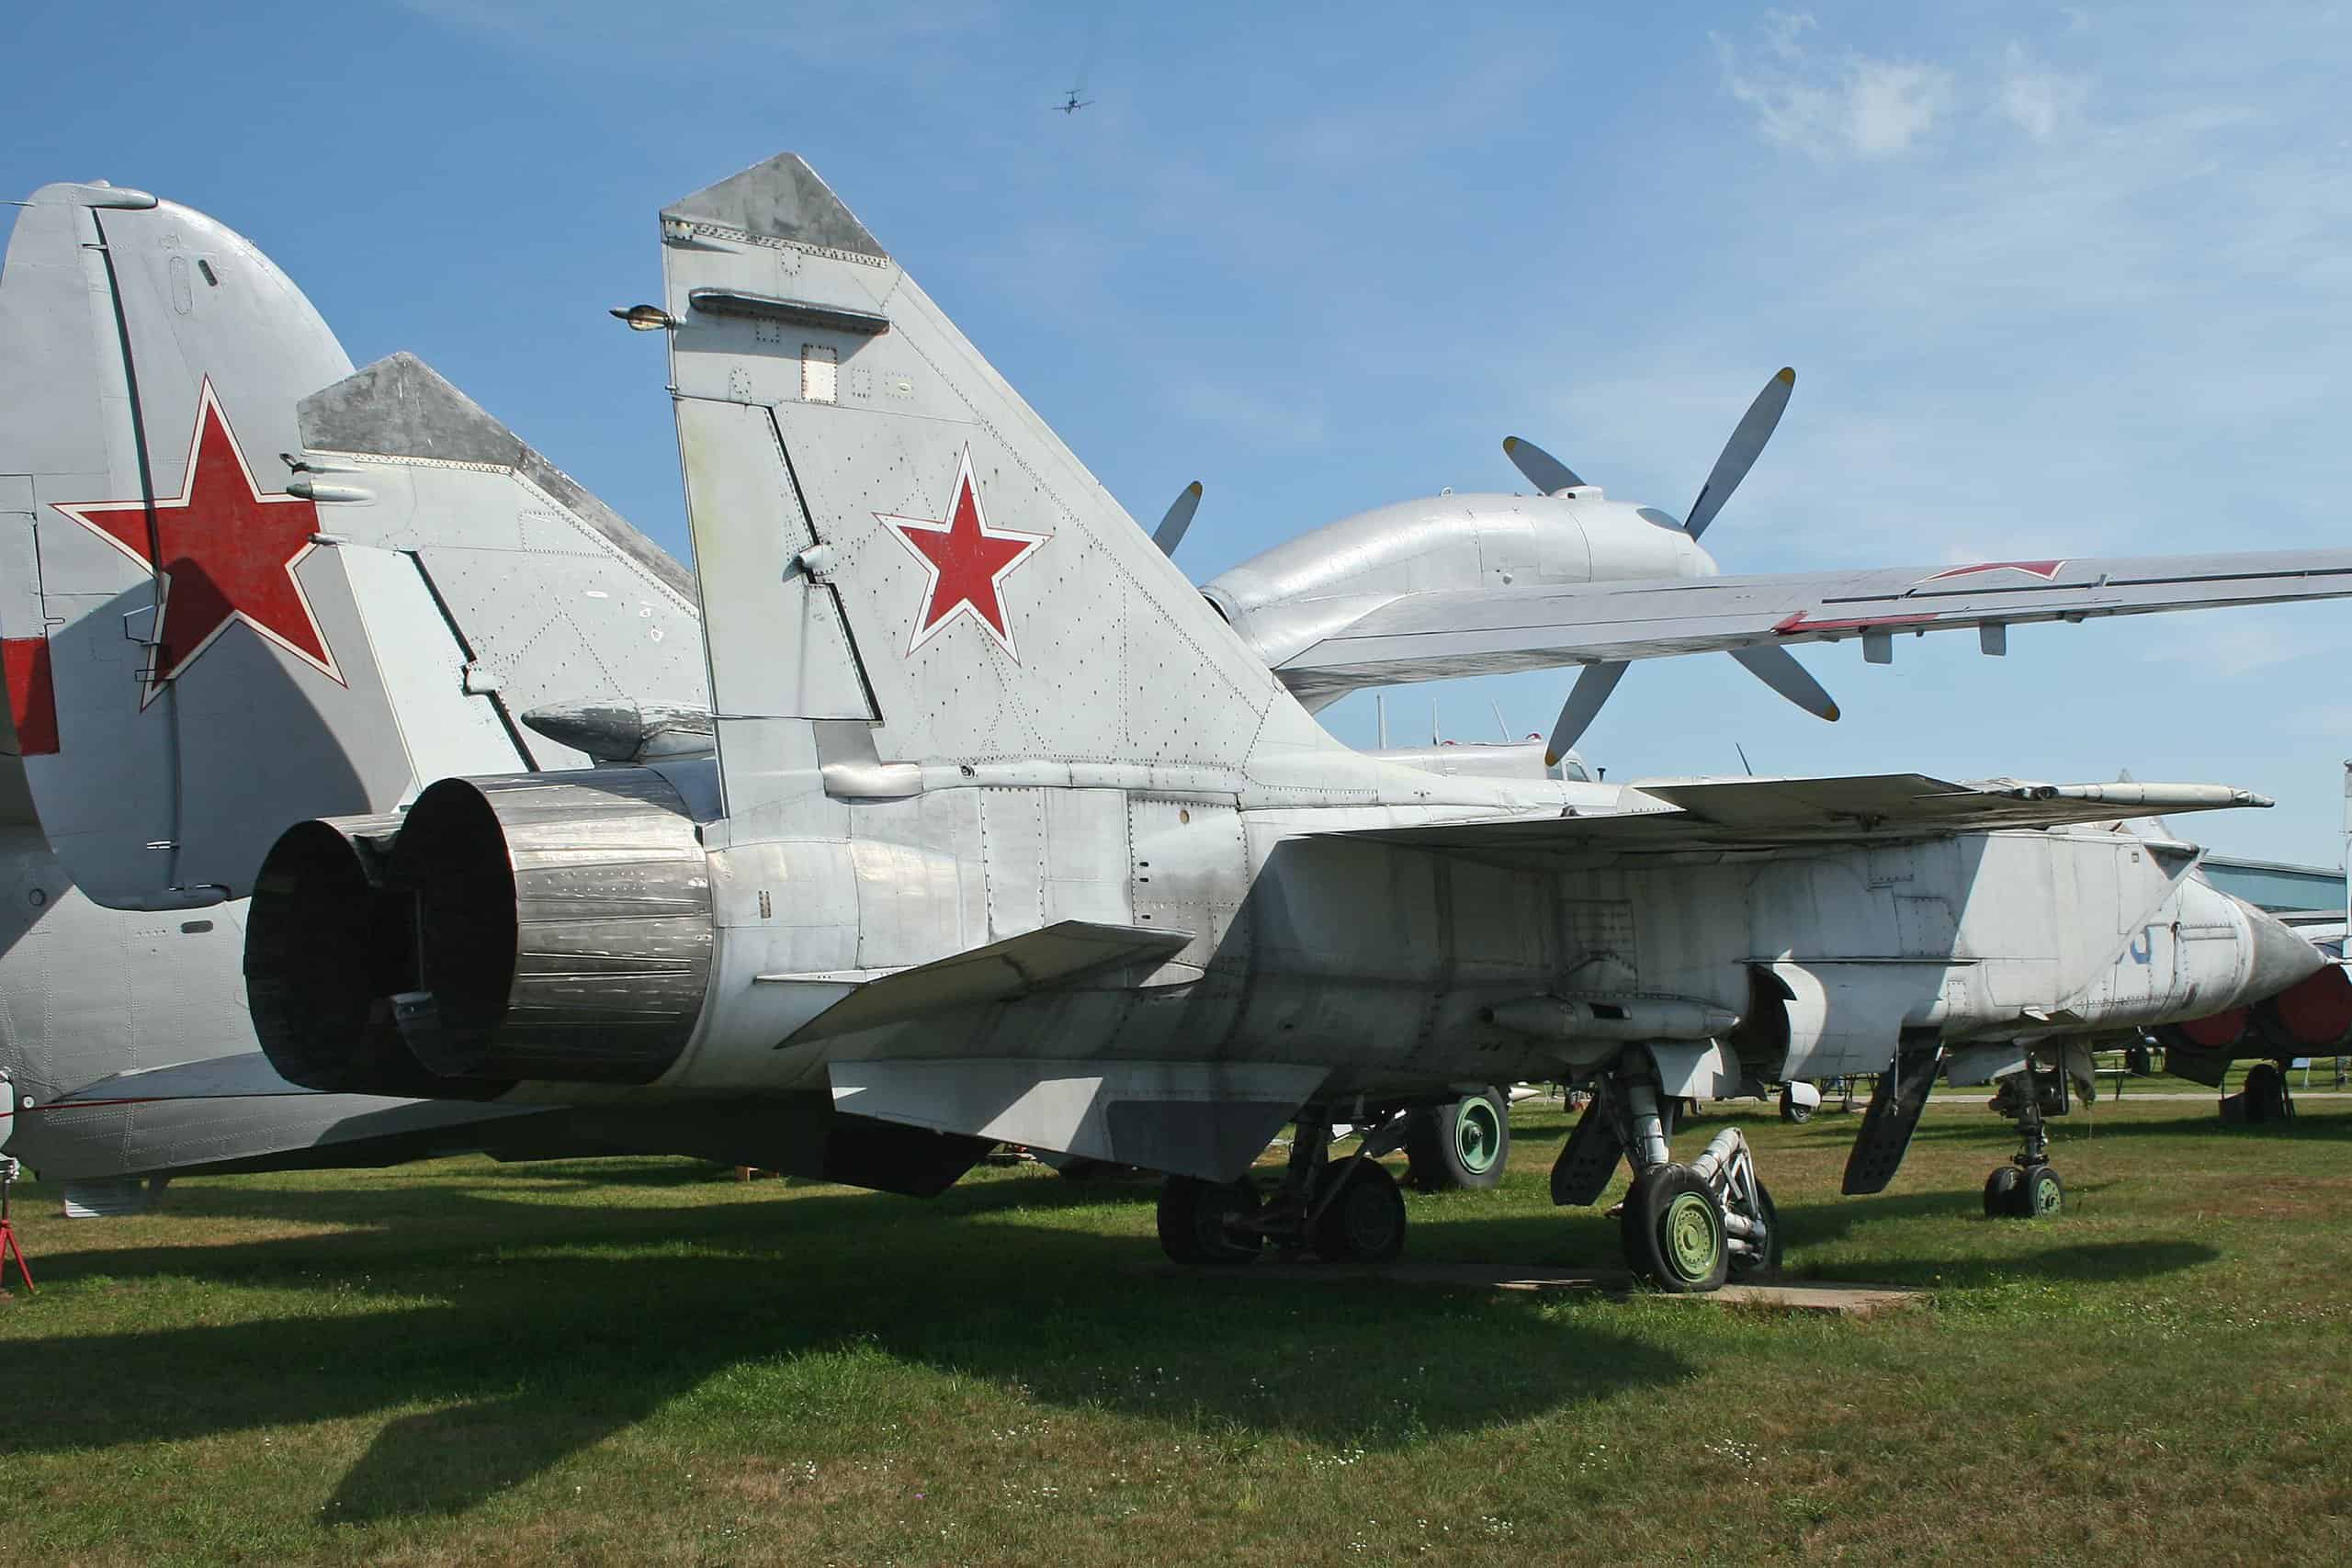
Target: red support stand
x=8, y=1247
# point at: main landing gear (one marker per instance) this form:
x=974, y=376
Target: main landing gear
x=1684, y=1228
x=2264, y=1100
x=1344, y=1211
x=2027, y=1189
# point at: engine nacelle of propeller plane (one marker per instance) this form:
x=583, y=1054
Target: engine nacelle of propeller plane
x=1289, y=597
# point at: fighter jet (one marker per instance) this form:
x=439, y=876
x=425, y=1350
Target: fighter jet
x=192, y=654
x=1007, y=835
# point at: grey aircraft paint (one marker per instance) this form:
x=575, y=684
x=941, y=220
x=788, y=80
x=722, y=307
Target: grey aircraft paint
x=1008, y=834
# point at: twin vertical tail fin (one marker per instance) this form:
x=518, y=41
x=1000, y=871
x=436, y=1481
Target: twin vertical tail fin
x=899, y=562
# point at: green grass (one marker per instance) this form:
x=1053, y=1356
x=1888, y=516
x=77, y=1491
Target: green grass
x=644, y=1362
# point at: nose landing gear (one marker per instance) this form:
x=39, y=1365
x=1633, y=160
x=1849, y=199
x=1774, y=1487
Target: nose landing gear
x=2027, y=1189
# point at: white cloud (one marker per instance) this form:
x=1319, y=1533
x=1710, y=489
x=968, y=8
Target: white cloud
x=2036, y=99
x=1859, y=105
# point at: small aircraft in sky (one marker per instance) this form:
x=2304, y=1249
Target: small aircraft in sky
x=1071, y=103
x=1002, y=835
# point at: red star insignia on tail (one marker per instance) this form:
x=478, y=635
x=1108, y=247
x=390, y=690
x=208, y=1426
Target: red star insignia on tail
x=965, y=561
x=227, y=552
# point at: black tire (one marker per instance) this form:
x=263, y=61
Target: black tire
x=2041, y=1195
x=2265, y=1094
x=1363, y=1219
x=1792, y=1111
x=1673, y=1232
x=1195, y=1221
x=2001, y=1193
x=1463, y=1145
x=1747, y=1267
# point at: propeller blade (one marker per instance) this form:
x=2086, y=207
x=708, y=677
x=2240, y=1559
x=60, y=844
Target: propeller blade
x=1748, y=438
x=1779, y=669
x=1545, y=471
x=1170, y=532
x=1591, y=690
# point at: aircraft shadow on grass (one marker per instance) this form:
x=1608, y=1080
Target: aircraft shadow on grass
x=553, y=1332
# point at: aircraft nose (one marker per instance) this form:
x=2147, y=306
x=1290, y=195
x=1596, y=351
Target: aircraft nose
x=2280, y=957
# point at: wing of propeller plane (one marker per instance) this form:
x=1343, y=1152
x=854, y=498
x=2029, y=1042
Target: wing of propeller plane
x=1441, y=635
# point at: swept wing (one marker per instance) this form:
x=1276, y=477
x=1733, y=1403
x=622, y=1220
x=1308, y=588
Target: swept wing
x=1762, y=815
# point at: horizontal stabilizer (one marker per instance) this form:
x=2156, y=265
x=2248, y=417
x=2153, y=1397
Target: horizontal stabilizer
x=1000, y=972
x=1736, y=814
x=1204, y=1119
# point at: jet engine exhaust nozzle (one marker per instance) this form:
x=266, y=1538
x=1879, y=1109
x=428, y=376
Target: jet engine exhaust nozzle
x=547, y=927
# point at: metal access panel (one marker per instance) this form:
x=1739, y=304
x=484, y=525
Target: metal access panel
x=1191, y=870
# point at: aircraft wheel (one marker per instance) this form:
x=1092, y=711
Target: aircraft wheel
x=1465, y=1144
x=1197, y=1221
x=2265, y=1094
x=2001, y=1193
x=1749, y=1264
x=1673, y=1231
x=1792, y=1109
x=1364, y=1222
x=2039, y=1194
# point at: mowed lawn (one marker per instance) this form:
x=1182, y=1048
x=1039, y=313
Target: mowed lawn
x=634, y=1362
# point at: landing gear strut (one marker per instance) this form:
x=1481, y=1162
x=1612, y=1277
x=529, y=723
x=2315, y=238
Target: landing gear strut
x=2027, y=1189
x=1685, y=1228
x=2265, y=1097
x=1344, y=1211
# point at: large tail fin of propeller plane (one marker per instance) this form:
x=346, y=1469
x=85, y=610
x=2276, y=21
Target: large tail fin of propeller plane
x=240, y=585
x=186, y=672
x=892, y=544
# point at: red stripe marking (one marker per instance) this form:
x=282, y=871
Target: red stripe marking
x=2045, y=570
x=1797, y=622
x=32, y=695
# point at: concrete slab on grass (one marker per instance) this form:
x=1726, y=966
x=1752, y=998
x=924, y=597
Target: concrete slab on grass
x=1832, y=1297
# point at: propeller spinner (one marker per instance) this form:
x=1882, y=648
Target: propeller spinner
x=1776, y=667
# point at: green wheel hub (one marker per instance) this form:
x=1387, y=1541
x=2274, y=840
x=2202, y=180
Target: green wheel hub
x=1689, y=1229
x=1477, y=1134
x=2048, y=1196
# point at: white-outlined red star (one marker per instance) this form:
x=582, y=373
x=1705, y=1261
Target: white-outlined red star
x=227, y=552
x=965, y=562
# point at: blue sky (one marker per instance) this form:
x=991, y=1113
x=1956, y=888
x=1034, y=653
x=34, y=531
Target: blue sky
x=2056, y=280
